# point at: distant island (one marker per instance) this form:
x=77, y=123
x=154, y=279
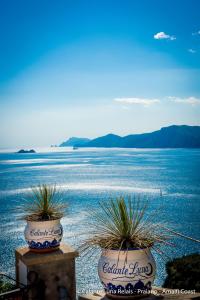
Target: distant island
x=26, y=151
x=175, y=136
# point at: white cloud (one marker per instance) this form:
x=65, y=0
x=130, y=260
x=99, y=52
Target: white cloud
x=196, y=33
x=192, y=51
x=190, y=100
x=163, y=36
x=137, y=101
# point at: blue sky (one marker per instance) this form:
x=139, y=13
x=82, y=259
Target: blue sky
x=88, y=67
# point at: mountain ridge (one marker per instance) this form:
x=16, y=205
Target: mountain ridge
x=174, y=136
x=72, y=141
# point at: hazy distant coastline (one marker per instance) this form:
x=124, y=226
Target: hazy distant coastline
x=175, y=136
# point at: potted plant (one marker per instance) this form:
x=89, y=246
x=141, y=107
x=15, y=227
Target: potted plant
x=126, y=235
x=43, y=211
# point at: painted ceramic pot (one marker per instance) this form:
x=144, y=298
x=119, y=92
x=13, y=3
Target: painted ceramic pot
x=126, y=273
x=43, y=236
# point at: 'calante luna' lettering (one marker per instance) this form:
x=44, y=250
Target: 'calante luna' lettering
x=133, y=269
x=49, y=232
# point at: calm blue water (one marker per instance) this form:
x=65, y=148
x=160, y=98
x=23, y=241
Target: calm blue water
x=88, y=175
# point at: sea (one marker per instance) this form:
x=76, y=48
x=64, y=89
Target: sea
x=168, y=178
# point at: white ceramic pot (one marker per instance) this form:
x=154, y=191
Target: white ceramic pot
x=125, y=273
x=43, y=235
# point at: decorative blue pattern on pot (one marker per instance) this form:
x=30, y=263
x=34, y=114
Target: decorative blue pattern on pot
x=127, y=290
x=44, y=245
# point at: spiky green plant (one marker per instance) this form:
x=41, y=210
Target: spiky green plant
x=43, y=204
x=124, y=224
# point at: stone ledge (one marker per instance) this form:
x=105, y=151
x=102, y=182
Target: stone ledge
x=158, y=293
x=31, y=258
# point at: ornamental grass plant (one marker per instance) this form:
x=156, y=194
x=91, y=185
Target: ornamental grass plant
x=43, y=204
x=124, y=224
